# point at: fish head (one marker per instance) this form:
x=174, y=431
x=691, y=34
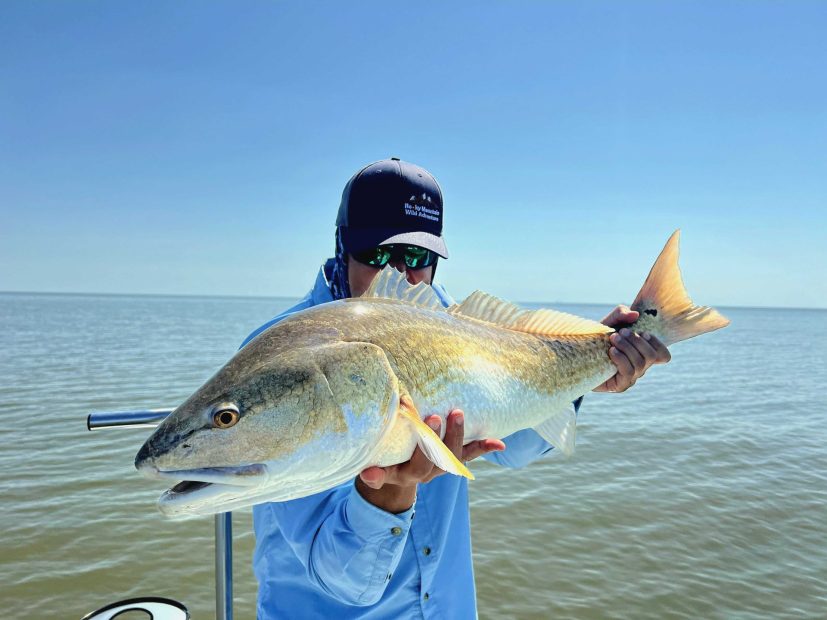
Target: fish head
x=273, y=429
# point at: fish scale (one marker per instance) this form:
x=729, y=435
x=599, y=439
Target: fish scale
x=447, y=362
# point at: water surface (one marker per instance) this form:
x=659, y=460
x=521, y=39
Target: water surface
x=700, y=493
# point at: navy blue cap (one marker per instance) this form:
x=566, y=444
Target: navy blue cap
x=392, y=201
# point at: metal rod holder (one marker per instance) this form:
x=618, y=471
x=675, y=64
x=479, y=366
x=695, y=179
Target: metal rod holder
x=151, y=418
x=224, y=566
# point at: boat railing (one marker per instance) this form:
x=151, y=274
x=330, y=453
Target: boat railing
x=151, y=418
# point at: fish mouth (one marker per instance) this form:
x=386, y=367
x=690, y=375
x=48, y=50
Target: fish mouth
x=187, y=486
x=240, y=475
x=204, y=490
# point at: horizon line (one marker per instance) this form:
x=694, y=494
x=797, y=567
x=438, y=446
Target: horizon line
x=297, y=297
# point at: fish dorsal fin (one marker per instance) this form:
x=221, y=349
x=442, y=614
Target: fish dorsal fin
x=556, y=323
x=392, y=284
x=490, y=309
x=485, y=307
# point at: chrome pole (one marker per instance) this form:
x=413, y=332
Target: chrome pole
x=151, y=418
x=148, y=418
x=224, y=566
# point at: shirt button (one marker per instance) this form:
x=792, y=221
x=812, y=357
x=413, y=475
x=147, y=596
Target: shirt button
x=426, y=596
x=427, y=551
x=396, y=531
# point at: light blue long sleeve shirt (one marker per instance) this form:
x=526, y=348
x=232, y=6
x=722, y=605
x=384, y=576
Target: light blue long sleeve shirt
x=334, y=555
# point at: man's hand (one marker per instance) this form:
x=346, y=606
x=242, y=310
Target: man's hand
x=632, y=353
x=394, y=488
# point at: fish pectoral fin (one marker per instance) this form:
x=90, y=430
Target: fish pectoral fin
x=430, y=443
x=560, y=430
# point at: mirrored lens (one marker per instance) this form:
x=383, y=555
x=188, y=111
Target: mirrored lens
x=414, y=256
x=376, y=257
x=418, y=258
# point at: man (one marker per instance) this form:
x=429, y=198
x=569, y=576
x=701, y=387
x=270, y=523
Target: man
x=357, y=551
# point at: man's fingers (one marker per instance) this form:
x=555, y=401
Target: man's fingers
x=374, y=477
x=621, y=315
x=454, y=424
x=632, y=353
x=623, y=341
x=612, y=384
x=454, y=431
x=481, y=446
x=661, y=351
x=621, y=362
x=620, y=355
x=643, y=355
x=645, y=349
x=419, y=467
x=652, y=350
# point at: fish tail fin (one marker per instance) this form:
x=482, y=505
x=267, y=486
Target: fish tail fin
x=664, y=305
x=430, y=443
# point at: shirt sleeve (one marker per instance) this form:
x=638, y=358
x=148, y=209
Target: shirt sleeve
x=524, y=447
x=349, y=547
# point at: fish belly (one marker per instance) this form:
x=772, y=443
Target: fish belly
x=497, y=406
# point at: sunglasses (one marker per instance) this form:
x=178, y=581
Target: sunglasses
x=414, y=256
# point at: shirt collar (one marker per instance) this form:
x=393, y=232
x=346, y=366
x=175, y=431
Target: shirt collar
x=321, y=288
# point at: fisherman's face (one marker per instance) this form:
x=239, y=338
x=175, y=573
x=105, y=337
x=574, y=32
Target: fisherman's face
x=360, y=276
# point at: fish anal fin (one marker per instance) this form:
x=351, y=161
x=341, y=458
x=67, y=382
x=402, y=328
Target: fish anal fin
x=560, y=430
x=490, y=309
x=430, y=443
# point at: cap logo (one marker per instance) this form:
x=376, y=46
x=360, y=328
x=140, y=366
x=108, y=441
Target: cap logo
x=422, y=206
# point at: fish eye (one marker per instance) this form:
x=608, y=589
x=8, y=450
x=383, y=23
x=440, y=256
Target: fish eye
x=225, y=416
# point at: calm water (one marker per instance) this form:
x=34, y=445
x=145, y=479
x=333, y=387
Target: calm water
x=701, y=493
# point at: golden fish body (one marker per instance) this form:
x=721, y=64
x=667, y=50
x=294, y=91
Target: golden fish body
x=504, y=380
x=336, y=388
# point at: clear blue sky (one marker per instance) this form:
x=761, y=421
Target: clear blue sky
x=201, y=147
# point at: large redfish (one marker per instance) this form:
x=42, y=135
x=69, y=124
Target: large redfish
x=331, y=390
